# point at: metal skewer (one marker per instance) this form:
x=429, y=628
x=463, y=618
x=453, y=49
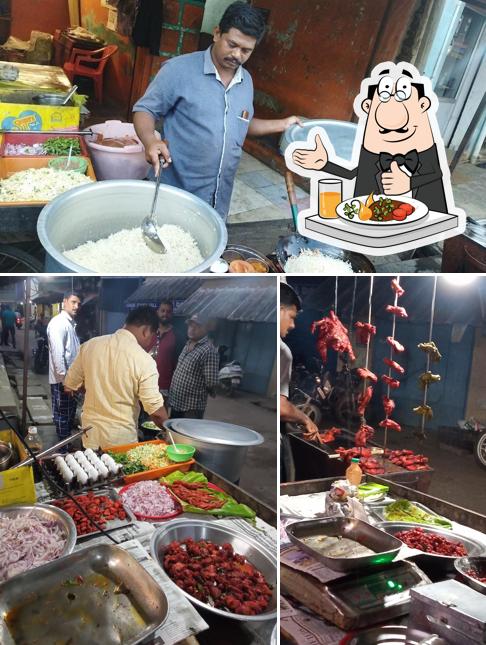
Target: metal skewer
x=48, y=451
x=84, y=133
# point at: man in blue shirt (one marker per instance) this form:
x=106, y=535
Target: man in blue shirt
x=206, y=101
x=8, y=325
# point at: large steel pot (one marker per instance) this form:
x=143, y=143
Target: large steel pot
x=221, y=447
x=96, y=210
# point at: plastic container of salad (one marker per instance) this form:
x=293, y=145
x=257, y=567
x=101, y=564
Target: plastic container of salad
x=153, y=473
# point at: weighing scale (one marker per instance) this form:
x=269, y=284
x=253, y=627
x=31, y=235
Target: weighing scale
x=358, y=599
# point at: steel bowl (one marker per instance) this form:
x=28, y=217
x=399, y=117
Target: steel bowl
x=473, y=547
x=255, y=553
x=47, y=512
x=342, y=135
x=221, y=447
x=6, y=455
x=96, y=210
x=478, y=564
x=295, y=243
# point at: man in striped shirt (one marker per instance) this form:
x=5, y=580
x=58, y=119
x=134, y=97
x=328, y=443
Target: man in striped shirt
x=63, y=349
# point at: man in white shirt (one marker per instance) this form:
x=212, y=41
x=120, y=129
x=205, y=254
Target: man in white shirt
x=63, y=349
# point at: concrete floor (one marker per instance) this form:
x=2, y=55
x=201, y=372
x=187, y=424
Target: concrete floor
x=260, y=192
x=259, y=476
x=457, y=477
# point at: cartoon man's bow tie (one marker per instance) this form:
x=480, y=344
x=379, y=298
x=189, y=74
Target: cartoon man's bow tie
x=410, y=160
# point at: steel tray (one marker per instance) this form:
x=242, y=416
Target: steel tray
x=473, y=547
x=111, y=524
x=255, y=553
x=60, y=602
x=353, y=529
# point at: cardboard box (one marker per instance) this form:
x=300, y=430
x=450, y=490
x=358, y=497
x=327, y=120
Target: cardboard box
x=16, y=485
x=16, y=116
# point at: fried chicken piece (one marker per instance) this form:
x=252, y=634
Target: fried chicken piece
x=431, y=349
x=427, y=378
x=424, y=410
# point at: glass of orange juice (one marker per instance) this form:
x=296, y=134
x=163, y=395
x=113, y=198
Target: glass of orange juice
x=330, y=195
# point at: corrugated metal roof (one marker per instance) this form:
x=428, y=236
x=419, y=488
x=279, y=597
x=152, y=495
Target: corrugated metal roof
x=156, y=289
x=454, y=304
x=245, y=304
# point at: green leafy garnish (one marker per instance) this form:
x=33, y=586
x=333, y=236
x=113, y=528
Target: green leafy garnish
x=61, y=146
x=350, y=210
x=404, y=511
x=230, y=508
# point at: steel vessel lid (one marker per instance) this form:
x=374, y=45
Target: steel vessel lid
x=216, y=432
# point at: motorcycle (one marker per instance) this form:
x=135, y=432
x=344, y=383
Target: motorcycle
x=475, y=432
x=313, y=392
x=18, y=322
x=230, y=377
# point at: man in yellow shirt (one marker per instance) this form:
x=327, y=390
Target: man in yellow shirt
x=117, y=373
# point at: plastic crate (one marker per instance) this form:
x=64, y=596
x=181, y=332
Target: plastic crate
x=37, y=137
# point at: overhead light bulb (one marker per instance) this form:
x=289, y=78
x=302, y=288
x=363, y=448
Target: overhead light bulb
x=459, y=279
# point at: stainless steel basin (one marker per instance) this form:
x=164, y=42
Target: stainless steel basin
x=221, y=447
x=96, y=210
x=255, y=553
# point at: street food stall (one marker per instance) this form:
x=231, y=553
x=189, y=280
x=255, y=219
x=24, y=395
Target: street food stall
x=344, y=578
x=386, y=369
x=420, y=580
x=135, y=531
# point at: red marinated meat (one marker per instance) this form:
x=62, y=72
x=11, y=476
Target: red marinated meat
x=196, y=494
x=348, y=453
x=371, y=466
x=394, y=365
x=329, y=435
x=364, y=399
x=389, y=423
x=364, y=434
x=431, y=542
x=364, y=372
x=398, y=347
x=215, y=574
x=388, y=405
x=406, y=459
x=332, y=334
x=397, y=311
x=397, y=288
x=364, y=331
x=393, y=383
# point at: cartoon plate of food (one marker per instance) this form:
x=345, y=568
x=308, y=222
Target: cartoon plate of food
x=381, y=210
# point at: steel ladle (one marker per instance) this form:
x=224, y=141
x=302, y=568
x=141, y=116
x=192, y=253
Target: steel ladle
x=149, y=224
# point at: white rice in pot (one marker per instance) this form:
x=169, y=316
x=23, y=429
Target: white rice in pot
x=127, y=252
x=315, y=261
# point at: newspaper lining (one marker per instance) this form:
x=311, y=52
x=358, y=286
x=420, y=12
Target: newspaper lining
x=182, y=620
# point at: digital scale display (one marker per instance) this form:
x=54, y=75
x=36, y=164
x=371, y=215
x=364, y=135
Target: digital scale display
x=379, y=589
